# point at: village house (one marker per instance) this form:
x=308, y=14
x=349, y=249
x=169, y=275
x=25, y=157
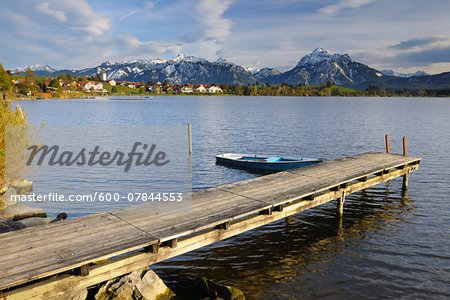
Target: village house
x=214, y=89
x=134, y=85
x=154, y=87
x=112, y=82
x=95, y=86
x=69, y=85
x=200, y=89
x=187, y=88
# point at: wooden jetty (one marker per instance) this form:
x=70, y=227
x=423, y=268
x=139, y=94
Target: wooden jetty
x=44, y=262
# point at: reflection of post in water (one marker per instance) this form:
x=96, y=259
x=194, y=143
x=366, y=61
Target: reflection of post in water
x=387, y=191
x=340, y=230
x=404, y=197
x=405, y=178
x=340, y=204
x=288, y=220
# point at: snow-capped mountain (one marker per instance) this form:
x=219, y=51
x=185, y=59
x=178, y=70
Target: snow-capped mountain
x=404, y=75
x=266, y=73
x=37, y=69
x=180, y=70
x=316, y=68
x=321, y=65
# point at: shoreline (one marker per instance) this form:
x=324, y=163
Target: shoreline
x=32, y=98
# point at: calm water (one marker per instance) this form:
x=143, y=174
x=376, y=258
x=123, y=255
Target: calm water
x=385, y=247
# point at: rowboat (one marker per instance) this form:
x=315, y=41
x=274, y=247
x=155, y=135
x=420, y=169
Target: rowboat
x=264, y=162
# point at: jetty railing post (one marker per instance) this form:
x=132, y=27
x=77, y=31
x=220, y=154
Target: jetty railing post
x=340, y=204
x=190, y=139
x=404, y=146
x=387, y=143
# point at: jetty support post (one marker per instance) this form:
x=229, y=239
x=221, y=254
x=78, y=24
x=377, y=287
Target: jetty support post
x=405, y=181
x=340, y=204
x=190, y=139
x=387, y=143
x=405, y=177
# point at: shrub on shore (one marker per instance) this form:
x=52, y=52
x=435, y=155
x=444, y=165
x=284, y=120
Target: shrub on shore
x=10, y=116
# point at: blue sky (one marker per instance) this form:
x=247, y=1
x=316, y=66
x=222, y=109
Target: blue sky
x=397, y=34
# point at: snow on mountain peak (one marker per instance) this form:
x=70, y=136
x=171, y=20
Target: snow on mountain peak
x=222, y=60
x=252, y=69
x=187, y=58
x=319, y=55
x=266, y=72
x=36, y=68
x=180, y=57
x=404, y=75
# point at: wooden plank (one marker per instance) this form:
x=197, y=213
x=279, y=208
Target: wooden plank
x=169, y=226
x=95, y=234
x=56, y=264
x=59, y=255
x=78, y=235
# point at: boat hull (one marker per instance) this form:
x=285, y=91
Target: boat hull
x=266, y=166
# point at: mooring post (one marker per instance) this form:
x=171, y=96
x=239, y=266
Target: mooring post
x=404, y=146
x=387, y=143
x=190, y=139
x=340, y=204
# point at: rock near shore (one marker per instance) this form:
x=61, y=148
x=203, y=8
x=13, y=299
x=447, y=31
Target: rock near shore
x=21, y=211
x=142, y=284
x=22, y=187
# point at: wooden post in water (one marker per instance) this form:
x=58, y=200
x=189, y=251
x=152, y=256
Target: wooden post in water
x=405, y=181
x=190, y=139
x=387, y=143
x=340, y=204
x=405, y=177
x=404, y=146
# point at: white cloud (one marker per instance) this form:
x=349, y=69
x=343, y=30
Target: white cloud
x=44, y=8
x=342, y=4
x=225, y=53
x=130, y=46
x=210, y=14
x=85, y=18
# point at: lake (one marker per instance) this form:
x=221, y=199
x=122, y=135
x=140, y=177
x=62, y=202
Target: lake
x=386, y=246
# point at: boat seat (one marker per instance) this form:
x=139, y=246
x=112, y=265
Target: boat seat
x=273, y=159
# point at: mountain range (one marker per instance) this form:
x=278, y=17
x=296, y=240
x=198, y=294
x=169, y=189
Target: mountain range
x=316, y=68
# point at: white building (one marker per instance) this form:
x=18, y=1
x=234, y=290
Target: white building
x=96, y=86
x=214, y=89
x=104, y=76
x=187, y=89
x=200, y=89
x=112, y=82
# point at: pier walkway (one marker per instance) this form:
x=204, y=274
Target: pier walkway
x=44, y=262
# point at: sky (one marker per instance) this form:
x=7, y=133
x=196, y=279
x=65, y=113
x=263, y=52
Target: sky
x=403, y=35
